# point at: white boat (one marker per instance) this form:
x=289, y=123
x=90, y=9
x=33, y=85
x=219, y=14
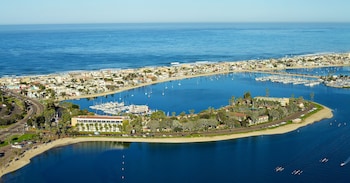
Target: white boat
x=342, y=164
x=279, y=169
x=297, y=172
x=324, y=160
x=174, y=63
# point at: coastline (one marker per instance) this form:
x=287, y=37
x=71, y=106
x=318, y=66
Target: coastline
x=271, y=71
x=325, y=113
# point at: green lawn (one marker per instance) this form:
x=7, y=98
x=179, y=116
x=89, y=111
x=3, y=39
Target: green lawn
x=22, y=138
x=3, y=143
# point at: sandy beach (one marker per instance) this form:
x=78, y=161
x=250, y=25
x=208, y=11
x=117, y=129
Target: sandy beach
x=15, y=165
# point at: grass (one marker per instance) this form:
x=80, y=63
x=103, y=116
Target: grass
x=3, y=143
x=318, y=108
x=4, y=126
x=22, y=138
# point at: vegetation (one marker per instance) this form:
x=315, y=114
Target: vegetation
x=240, y=113
x=55, y=120
x=11, y=109
x=24, y=137
x=3, y=143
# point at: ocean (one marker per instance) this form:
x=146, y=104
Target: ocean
x=44, y=49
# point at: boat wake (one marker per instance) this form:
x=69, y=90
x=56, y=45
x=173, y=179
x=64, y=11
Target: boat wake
x=345, y=162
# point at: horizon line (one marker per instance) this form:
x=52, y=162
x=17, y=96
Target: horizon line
x=199, y=22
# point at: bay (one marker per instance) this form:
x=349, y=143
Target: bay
x=44, y=49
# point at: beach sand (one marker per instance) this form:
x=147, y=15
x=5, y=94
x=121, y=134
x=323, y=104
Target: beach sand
x=15, y=165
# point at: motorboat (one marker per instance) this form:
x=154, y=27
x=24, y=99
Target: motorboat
x=279, y=169
x=324, y=160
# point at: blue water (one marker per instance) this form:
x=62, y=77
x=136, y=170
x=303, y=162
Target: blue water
x=252, y=159
x=43, y=49
x=197, y=94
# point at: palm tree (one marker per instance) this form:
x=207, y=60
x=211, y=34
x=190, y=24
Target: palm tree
x=96, y=126
x=101, y=127
x=77, y=126
x=267, y=92
x=312, y=96
x=105, y=127
x=191, y=111
x=232, y=100
x=109, y=127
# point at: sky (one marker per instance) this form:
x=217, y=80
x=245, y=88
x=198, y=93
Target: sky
x=155, y=11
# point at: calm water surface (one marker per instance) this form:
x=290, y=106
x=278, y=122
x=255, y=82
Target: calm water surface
x=44, y=49
x=250, y=159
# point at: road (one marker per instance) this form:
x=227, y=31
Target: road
x=35, y=108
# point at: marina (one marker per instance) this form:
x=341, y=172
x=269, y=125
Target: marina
x=290, y=80
x=116, y=108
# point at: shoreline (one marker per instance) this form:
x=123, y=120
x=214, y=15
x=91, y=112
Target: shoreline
x=271, y=71
x=91, y=80
x=325, y=113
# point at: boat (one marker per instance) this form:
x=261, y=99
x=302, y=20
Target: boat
x=174, y=63
x=297, y=172
x=342, y=164
x=324, y=160
x=279, y=169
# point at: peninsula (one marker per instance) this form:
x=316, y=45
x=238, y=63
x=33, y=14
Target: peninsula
x=50, y=89
x=25, y=158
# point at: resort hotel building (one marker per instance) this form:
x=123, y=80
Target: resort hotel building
x=283, y=101
x=98, y=123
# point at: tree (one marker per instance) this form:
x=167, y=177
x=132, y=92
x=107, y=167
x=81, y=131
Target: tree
x=40, y=121
x=293, y=96
x=158, y=115
x=153, y=125
x=77, y=126
x=267, y=92
x=182, y=114
x=221, y=116
x=105, y=127
x=126, y=124
x=247, y=95
x=96, y=126
x=232, y=100
x=211, y=110
x=191, y=111
x=312, y=95
x=30, y=122
x=2, y=96
x=63, y=94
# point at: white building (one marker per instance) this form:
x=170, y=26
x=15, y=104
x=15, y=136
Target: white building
x=282, y=101
x=98, y=123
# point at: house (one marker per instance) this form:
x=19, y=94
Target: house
x=239, y=116
x=260, y=119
